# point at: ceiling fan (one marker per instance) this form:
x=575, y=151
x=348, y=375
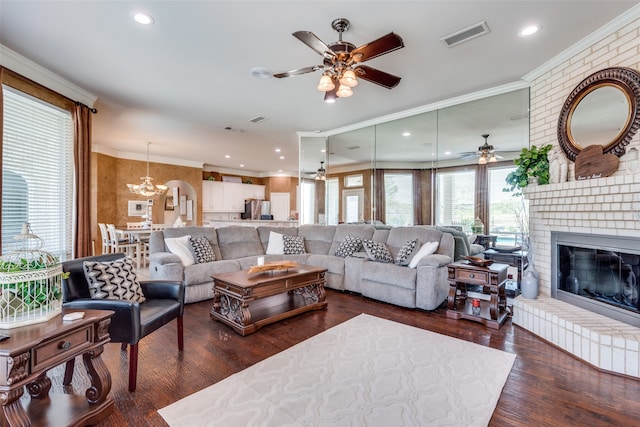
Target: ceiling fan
x=343, y=61
x=485, y=154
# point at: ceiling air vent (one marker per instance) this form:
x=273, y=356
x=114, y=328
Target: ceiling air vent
x=258, y=119
x=466, y=34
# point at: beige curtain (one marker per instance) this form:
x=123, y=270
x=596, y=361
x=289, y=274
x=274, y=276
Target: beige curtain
x=482, y=194
x=82, y=163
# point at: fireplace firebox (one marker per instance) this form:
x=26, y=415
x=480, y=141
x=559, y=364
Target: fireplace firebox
x=597, y=272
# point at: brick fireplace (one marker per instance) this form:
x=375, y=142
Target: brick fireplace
x=601, y=207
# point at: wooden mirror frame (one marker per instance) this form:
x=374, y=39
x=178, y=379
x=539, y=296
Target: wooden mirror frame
x=625, y=79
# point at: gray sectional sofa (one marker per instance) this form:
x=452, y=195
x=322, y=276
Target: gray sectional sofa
x=237, y=248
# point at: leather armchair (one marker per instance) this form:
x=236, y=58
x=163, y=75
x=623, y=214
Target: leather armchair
x=132, y=321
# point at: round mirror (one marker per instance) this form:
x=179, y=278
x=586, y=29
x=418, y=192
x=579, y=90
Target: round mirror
x=601, y=110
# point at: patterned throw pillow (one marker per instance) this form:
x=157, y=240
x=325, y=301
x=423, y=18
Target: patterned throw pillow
x=113, y=280
x=377, y=251
x=405, y=252
x=293, y=245
x=349, y=246
x=201, y=249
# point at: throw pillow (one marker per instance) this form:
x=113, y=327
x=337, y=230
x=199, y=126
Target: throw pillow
x=426, y=249
x=405, y=252
x=349, y=246
x=181, y=247
x=377, y=251
x=293, y=245
x=113, y=280
x=201, y=250
x=276, y=244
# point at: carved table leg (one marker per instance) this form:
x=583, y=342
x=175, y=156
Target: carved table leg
x=451, y=299
x=12, y=410
x=99, y=374
x=493, y=306
x=39, y=388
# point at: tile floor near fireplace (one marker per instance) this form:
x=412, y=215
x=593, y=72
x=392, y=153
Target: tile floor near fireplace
x=598, y=340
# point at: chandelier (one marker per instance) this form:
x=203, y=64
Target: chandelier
x=321, y=173
x=486, y=152
x=147, y=188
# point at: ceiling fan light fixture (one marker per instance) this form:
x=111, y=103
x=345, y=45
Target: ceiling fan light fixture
x=482, y=160
x=493, y=159
x=321, y=173
x=349, y=79
x=326, y=84
x=344, y=91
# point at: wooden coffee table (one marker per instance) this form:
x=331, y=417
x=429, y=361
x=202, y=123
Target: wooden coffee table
x=246, y=301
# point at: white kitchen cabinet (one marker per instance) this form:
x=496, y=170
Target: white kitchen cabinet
x=218, y=196
x=253, y=191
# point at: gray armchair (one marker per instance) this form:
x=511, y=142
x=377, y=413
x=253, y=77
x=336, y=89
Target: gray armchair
x=132, y=320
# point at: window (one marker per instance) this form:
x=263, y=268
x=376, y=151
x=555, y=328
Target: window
x=506, y=212
x=37, y=172
x=353, y=180
x=398, y=199
x=455, y=199
x=353, y=205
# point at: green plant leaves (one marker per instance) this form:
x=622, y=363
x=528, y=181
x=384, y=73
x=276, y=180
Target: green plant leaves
x=532, y=162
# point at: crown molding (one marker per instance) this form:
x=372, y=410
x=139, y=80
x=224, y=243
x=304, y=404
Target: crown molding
x=602, y=32
x=29, y=69
x=126, y=155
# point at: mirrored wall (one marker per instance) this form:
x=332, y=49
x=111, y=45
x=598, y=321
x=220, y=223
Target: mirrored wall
x=427, y=168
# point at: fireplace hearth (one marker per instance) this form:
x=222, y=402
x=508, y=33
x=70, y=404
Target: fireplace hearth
x=598, y=273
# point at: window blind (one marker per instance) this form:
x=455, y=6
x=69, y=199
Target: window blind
x=37, y=172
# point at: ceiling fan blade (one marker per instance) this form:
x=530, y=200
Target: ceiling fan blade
x=468, y=155
x=299, y=71
x=311, y=40
x=381, y=46
x=376, y=76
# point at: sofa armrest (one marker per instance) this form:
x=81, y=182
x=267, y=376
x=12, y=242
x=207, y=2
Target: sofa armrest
x=434, y=260
x=166, y=266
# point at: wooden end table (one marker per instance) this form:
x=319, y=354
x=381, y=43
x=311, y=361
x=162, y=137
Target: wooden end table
x=490, y=280
x=247, y=301
x=32, y=350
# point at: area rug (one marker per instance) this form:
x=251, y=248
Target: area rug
x=366, y=371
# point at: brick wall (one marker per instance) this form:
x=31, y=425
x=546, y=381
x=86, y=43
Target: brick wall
x=609, y=206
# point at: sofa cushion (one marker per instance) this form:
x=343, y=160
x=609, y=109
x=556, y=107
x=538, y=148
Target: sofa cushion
x=157, y=244
x=362, y=231
x=276, y=244
x=349, y=246
x=390, y=274
x=113, y=280
x=406, y=252
x=293, y=245
x=238, y=241
x=181, y=247
x=201, y=273
x=201, y=250
x=265, y=231
x=333, y=264
x=377, y=251
x=317, y=238
x=425, y=250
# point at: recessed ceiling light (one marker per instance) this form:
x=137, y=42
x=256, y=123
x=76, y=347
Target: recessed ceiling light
x=227, y=156
x=278, y=150
x=280, y=170
x=261, y=73
x=241, y=166
x=281, y=157
x=446, y=153
x=406, y=133
x=527, y=31
x=323, y=151
x=143, y=18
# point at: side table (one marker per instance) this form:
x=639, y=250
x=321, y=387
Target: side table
x=32, y=350
x=490, y=280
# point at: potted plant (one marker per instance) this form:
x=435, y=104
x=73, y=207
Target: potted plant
x=533, y=165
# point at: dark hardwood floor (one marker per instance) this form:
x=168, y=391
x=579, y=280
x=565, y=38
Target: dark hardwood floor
x=546, y=387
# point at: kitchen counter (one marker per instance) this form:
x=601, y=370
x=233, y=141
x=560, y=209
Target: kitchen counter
x=217, y=223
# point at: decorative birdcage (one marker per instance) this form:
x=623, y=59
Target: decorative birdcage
x=30, y=282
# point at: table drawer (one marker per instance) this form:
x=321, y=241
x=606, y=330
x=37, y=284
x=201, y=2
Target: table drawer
x=472, y=275
x=57, y=349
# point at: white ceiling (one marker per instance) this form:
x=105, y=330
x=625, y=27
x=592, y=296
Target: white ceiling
x=181, y=81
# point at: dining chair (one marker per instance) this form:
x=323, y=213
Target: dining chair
x=131, y=249
x=132, y=321
x=106, y=244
